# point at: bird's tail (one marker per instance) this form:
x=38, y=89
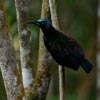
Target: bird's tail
x=86, y=65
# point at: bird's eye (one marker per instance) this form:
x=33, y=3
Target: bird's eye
x=42, y=23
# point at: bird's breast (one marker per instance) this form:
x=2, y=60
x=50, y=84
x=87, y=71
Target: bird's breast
x=54, y=47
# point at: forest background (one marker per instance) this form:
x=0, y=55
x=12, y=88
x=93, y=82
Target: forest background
x=78, y=18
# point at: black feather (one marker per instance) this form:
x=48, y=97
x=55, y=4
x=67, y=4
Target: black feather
x=63, y=48
x=86, y=65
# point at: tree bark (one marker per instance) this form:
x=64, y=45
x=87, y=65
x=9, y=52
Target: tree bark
x=10, y=72
x=61, y=69
x=25, y=43
x=43, y=76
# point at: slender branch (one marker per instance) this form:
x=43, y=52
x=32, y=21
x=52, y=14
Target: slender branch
x=43, y=76
x=25, y=43
x=61, y=69
x=10, y=72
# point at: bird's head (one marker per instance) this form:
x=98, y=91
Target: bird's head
x=42, y=23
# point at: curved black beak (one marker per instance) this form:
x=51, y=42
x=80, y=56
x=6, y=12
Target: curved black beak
x=33, y=22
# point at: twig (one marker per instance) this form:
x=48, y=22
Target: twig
x=61, y=69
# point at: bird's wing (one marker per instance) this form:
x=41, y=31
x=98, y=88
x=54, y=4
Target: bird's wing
x=62, y=46
x=74, y=48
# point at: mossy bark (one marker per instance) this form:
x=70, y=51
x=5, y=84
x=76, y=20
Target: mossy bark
x=61, y=68
x=25, y=43
x=43, y=76
x=10, y=72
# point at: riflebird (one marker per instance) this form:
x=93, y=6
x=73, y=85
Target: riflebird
x=63, y=48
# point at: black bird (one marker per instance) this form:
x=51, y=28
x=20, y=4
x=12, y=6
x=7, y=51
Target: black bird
x=63, y=48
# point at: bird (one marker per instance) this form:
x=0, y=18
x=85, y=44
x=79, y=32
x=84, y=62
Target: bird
x=64, y=49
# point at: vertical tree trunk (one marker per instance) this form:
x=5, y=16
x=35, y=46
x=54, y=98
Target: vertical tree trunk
x=61, y=69
x=43, y=76
x=25, y=43
x=98, y=54
x=11, y=75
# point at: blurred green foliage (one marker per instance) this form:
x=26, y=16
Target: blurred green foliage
x=79, y=19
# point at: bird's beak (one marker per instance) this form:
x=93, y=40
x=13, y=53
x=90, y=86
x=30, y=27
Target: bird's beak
x=34, y=22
